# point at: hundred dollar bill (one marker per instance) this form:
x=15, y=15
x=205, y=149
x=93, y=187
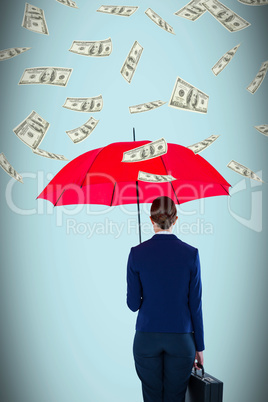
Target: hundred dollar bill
x=254, y=2
x=263, y=129
x=8, y=168
x=68, y=3
x=155, y=178
x=224, y=60
x=12, y=52
x=243, y=170
x=32, y=130
x=84, y=104
x=34, y=19
x=131, y=62
x=228, y=18
x=81, y=133
x=46, y=75
x=256, y=83
x=145, y=107
x=185, y=96
x=192, y=11
x=200, y=146
x=159, y=21
x=147, y=151
x=50, y=155
x=100, y=48
x=125, y=11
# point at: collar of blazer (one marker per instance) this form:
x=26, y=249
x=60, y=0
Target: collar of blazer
x=164, y=236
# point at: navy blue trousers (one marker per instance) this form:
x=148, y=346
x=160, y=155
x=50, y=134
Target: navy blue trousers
x=164, y=362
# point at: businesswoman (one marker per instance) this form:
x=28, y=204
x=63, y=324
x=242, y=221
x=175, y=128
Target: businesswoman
x=164, y=284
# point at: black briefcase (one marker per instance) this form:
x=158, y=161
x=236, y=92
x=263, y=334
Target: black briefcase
x=203, y=387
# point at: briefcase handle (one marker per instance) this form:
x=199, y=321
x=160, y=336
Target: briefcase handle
x=202, y=368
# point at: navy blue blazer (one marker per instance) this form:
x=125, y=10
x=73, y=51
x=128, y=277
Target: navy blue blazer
x=164, y=284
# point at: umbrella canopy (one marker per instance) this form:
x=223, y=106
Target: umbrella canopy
x=100, y=177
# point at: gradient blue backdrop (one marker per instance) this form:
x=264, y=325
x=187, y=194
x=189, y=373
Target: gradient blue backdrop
x=66, y=332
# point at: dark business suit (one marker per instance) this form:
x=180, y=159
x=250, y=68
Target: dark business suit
x=164, y=284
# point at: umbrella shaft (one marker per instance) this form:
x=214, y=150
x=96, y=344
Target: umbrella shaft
x=138, y=205
x=138, y=202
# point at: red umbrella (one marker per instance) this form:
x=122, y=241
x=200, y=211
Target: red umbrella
x=100, y=177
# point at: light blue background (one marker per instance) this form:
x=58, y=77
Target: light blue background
x=66, y=332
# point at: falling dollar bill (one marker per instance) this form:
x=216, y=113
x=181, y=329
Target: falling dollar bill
x=145, y=107
x=200, y=146
x=224, y=60
x=243, y=170
x=68, y=3
x=147, y=151
x=46, y=75
x=34, y=19
x=12, y=52
x=131, y=62
x=84, y=104
x=256, y=83
x=254, y=2
x=185, y=96
x=263, y=129
x=124, y=11
x=32, y=130
x=81, y=133
x=100, y=48
x=228, y=18
x=50, y=155
x=8, y=168
x=192, y=11
x=159, y=21
x=155, y=178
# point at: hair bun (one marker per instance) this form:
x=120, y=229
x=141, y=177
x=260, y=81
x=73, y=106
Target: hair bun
x=163, y=217
x=163, y=212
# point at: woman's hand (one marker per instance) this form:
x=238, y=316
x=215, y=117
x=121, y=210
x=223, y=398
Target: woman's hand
x=200, y=359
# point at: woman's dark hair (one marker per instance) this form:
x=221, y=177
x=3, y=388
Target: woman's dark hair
x=163, y=212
